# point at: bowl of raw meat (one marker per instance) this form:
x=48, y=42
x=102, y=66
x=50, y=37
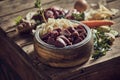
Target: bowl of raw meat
x=63, y=43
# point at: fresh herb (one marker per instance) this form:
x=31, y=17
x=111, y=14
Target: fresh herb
x=38, y=4
x=18, y=19
x=101, y=44
x=41, y=11
x=78, y=16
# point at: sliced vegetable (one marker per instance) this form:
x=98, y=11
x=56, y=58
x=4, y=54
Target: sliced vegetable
x=114, y=32
x=101, y=13
x=104, y=28
x=97, y=23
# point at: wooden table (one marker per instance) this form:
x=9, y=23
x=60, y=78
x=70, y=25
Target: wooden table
x=104, y=68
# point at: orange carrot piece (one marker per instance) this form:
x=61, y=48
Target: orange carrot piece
x=97, y=23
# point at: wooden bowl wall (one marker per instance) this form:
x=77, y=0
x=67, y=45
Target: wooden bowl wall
x=69, y=56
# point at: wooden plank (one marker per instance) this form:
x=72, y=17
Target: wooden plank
x=7, y=9
x=56, y=73
x=108, y=70
x=66, y=74
x=22, y=9
x=16, y=37
x=7, y=25
x=114, y=4
x=15, y=63
x=10, y=18
x=82, y=71
x=17, y=6
x=7, y=21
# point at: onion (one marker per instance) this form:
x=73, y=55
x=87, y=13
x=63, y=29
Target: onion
x=81, y=5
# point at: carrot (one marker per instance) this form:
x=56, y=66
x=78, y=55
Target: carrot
x=97, y=23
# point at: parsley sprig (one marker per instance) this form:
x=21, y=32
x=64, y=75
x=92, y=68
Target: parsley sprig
x=101, y=44
x=38, y=5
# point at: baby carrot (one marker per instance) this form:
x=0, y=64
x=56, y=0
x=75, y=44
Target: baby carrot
x=97, y=23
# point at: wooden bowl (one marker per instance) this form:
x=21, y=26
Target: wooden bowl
x=68, y=56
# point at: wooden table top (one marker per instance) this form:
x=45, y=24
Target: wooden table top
x=10, y=9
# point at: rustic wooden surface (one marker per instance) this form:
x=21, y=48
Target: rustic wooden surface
x=14, y=62
x=10, y=9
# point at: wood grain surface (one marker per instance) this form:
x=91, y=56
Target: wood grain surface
x=15, y=64
x=94, y=69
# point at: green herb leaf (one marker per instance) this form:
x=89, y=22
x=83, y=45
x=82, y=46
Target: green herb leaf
x=18, y=19
x=78, y=16
x=101, y=44
x=38, y=4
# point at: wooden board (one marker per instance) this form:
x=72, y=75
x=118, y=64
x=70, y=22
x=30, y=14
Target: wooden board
x=89, y=71
x=15, y=64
